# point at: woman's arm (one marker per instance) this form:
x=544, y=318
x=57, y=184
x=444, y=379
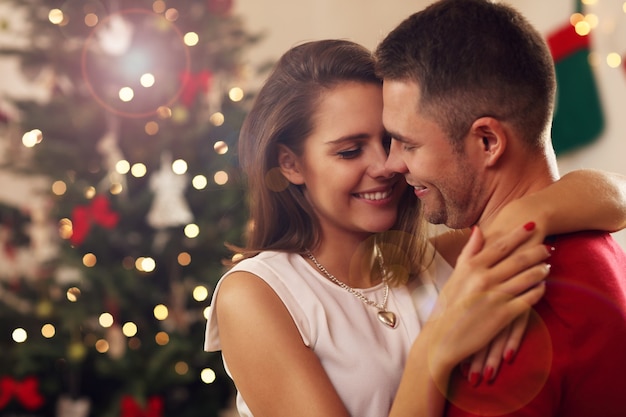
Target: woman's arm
x=273, y=370
x=581, y=200
x=489, y=287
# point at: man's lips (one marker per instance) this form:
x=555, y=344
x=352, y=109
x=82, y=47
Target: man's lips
x=419, y=190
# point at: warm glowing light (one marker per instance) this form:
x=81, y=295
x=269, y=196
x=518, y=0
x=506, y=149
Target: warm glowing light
x=184, y=259
x=162, y=338
x=179, y=166
x=105, y=320
x=32, y=138
x=191, y=38
x=55, y=16
x=151, y=128
x=614, y=60
x=73, y=294
x=116, y=188
x=208, y=375
x=575, y=18
x=126, y=94
x=592, y=19
x=220, y=147
x=160, y=312
x=200, y=293
x=129, y=329
x=192, y=230
x=91, y=20
x=89, y=260
x=158, y=6
x=147, y=80
x=102, y=346
x=171, y=15
x=138, y=170
x=90, y=192
x=235, y=94
x=206, y=312
x=164, y=112
x=582, y=28
x=122, y=167
x=220, y=177
x=65, y=228
x=48, y=331
x=59, y=187
x=589, y=2
x=181, y=368
x=19, y=335
x=199, y=182
x=624, y=7
x=217, y=119
x=145, y=264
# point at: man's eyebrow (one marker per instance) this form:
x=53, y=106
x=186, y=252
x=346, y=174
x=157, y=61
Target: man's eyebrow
x=398, y=137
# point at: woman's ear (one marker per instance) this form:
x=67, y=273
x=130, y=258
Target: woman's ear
x=491, y=138
x=289, y=165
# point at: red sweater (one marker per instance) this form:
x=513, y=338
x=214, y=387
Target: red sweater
x=572, y=362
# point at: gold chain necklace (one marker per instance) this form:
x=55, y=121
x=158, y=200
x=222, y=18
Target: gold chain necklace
x=386, y=317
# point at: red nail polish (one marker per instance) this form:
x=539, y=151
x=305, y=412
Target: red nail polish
x=529, y=226
x=508, y=355
x=475, y=379
x=550, y=249
x=488, y=374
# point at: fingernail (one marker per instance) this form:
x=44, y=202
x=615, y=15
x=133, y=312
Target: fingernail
x=550, y=249
x=475, y=379
x=508, y=355
x=488, y=373
x=465, y=369
x=529, y=226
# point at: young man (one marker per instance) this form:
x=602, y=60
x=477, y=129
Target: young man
x=469, y=89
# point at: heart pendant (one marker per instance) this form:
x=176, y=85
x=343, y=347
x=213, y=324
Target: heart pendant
x=388, y=318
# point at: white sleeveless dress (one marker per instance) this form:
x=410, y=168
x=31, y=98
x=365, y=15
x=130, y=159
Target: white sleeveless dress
x=363, y=358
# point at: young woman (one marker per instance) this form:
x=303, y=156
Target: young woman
x=322, y=315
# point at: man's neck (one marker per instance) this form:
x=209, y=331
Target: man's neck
x=516, y=182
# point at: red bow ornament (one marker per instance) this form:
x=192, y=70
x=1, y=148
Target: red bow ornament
x=84, y=216
x=130, y=408
x=26, y=392
x=192, y=84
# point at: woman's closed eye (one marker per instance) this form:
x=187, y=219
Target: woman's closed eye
x=350, y=153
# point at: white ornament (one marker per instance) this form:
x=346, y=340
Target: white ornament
x=68, y=407
x=115, y=37
x=111, y=154
x=169, y=208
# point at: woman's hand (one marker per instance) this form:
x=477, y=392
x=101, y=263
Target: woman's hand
x=484, y=365
x=490, y=287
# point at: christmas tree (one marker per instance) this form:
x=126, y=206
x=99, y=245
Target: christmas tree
x=128, y=188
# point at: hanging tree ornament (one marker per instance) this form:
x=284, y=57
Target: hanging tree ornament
x=115, y=37
x=70, y=407
x=169, y=208
x=111, y=154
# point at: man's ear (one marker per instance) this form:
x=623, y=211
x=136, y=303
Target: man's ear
x=289, y=165
x=490, y=136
